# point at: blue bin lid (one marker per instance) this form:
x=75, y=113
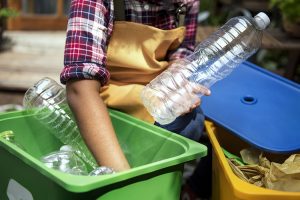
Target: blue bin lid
x=258, y=106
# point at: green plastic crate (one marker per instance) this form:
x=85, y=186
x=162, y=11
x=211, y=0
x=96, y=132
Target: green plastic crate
x=157, y=157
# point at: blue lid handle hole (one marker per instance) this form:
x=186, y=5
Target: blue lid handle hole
x=248, y=100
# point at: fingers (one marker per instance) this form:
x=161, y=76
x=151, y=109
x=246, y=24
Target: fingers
x=197, y=88
x=197, y=102
x=207, y=92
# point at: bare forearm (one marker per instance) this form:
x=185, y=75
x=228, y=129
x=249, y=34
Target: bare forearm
x=94, y=123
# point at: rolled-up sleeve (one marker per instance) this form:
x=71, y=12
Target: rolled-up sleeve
x=90, y=25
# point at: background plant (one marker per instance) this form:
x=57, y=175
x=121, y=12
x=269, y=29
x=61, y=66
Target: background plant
x=7, y=12
x=290, y=9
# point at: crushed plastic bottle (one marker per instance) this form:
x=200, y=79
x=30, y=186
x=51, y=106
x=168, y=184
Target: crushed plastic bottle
x=171, y=93
x=47, y=100
x=65, y=160
x=102, y=170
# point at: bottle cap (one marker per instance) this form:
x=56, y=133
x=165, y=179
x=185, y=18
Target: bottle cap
x=7, y=134
x=262, y=20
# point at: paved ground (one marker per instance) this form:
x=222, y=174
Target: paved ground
x=11, y=97
x=30, y=56
x=27, y=57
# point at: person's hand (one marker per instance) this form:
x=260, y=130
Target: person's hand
x=196, y=90
x=180, y=94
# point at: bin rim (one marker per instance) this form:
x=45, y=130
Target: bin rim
x=76, y=183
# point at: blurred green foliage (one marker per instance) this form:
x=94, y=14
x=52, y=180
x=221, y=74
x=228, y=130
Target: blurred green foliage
x=214, y=19
x=290, y=9
x=273, y=60
x=7, y=12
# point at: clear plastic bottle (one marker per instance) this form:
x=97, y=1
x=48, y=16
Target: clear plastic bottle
x=65, y=160
x=47, y=100
x=171, y=93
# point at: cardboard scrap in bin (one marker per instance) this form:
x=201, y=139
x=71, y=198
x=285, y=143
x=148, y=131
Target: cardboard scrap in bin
x=271, y=175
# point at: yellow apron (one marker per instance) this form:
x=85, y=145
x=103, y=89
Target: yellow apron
x=135, y=56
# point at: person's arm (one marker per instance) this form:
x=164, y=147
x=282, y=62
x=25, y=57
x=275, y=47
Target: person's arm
x=89, y=28
x=94, y=123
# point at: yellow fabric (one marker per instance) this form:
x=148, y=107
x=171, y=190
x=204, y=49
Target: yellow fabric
x=135, y=56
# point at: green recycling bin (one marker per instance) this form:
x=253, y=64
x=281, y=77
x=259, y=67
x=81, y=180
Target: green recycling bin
x=156, y=156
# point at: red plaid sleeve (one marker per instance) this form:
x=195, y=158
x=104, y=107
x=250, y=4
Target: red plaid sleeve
x=90, y=25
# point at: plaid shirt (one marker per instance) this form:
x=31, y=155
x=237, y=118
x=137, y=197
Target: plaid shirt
x=90, y=26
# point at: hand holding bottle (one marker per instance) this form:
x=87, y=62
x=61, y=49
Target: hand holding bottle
x=178, y=89
x=193, y=89
x=172, y=93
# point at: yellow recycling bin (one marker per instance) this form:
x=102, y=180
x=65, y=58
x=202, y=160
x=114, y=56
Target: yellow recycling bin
x=225, y=184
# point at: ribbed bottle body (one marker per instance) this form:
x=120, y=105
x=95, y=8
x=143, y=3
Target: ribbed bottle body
x=217, y=56
x=47, y=100
x=172, y=93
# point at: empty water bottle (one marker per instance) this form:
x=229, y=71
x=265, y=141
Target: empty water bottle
x=47, y=100
x=172, y=93
x=65, y=160
x=103, y=170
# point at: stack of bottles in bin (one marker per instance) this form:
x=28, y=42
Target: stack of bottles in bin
x=172, y=93
x=46, y=99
